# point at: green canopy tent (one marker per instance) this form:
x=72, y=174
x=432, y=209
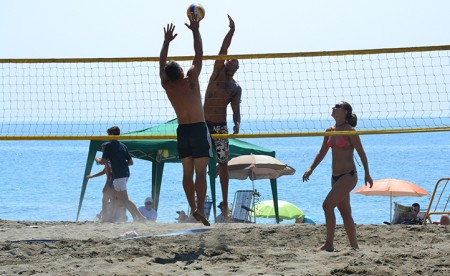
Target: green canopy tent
x=161, y=151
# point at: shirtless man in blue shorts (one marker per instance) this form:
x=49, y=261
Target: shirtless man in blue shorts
x=223, y=90
x=193, y=138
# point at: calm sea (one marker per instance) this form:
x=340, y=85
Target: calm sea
x=42, y=179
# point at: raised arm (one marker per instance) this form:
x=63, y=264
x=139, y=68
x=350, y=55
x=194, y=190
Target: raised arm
x=196, y=67
x=168, y=37
x=219, y=64
x=227, y=40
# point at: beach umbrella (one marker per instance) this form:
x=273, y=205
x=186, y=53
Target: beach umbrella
x=287, y=210
x=257, y=167
x=392, y=188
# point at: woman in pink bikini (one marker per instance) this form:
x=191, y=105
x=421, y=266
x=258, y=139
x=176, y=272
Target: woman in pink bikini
x=344, y=176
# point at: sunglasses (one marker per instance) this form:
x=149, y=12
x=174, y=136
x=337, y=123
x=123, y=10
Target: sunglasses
x=148, y=203
x=338, y=106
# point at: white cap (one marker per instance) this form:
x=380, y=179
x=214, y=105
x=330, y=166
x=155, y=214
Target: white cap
x=148, y=199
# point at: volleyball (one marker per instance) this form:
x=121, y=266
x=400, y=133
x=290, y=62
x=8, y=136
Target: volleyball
x=196, y=9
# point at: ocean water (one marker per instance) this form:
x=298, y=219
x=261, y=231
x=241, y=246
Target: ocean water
x=42, y=179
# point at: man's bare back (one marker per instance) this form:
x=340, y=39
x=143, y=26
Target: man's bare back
x=186, y=100
x=183, y=90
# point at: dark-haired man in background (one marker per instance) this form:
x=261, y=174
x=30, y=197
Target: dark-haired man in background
x=120, y=160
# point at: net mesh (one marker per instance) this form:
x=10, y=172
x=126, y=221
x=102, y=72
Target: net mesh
x=282, y=94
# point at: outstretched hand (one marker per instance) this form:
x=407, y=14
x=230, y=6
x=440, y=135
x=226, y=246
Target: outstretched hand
x=307, y=174
x=231, y=22
x=194, y=22
x=368, y=179
x=168, y=32
x=236, y=128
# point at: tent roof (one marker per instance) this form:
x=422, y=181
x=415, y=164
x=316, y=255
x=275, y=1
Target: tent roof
x=167, y=128
x=160, y=151
x=151, y=150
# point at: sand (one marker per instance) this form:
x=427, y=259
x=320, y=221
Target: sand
x=89, y=248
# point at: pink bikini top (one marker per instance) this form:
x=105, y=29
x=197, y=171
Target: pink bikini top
x=338, y=141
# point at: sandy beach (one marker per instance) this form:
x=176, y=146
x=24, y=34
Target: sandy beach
x=89, y=248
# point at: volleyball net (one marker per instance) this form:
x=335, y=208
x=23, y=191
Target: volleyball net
x=390, y=90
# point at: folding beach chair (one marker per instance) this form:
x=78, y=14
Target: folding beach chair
x=208, y=205
x=440, y=201
x=242, y=206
